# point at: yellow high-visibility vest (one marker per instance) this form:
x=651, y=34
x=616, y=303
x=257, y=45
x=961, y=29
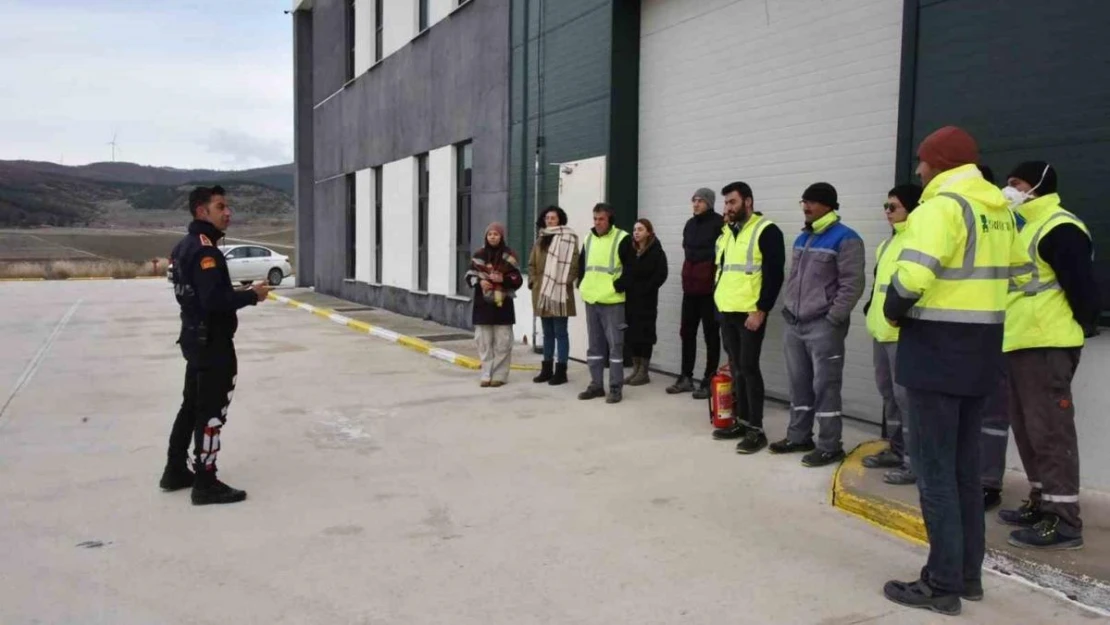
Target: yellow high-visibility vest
x=603, y=267
x=886, y=260
x=1038, y=313
x=960, y=252
x=740, y=266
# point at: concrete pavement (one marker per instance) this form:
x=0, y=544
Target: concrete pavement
x=387, y=487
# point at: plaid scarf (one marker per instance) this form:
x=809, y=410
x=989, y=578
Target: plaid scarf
x=556, y=270
x=487, y=260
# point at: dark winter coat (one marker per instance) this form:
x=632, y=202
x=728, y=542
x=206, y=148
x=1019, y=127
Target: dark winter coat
x=640, y=280
x=699, y=242
x=503, y=259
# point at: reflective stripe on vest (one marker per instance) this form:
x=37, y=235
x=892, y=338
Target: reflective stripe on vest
x=738, y=284
x=966, y=271
x=612, y=268
x=597, y=282
x=1035, y=285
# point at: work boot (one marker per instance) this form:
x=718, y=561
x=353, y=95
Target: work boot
x=885, y=459
x=560, y=375
x=786, y=447
x=641, y=376
x=176, y=476
x=818, y=458
x=634, y=372
x=702, y=391
x=738, y=430
x=209, y=490
x=920, y=595
x=592, y=392
x=973, y=590
x=545, y=373
x=992, y=498
x=902, y=476
x=615, y=395
x=754, y=441
x=1028, y=515
x=1046, y=536
x=682, y=385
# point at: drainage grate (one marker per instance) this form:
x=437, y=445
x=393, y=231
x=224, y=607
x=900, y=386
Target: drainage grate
x=353, y=309
x=439, y=338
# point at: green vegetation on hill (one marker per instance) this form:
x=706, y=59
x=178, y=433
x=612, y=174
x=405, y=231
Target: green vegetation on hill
x=46, y=194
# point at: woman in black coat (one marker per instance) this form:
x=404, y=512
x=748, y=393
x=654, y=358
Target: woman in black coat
x=640, y=280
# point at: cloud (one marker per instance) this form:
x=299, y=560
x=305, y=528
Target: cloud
x=246, y=150
x=171, y=78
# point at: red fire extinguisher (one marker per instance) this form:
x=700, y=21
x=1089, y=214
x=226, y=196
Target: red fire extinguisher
x=720, y=399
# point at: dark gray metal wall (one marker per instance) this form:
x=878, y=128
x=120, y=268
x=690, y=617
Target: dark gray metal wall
x=448, y=85
x=587, y=54
x=304, y=180
x=1028, y=79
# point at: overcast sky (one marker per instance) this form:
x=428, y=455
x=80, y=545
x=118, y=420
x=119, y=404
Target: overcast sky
x=182, y=83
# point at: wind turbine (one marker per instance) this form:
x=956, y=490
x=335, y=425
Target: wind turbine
x=113, y=144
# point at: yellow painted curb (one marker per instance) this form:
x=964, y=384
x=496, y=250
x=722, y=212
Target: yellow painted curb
x=411, y=342
x=893, y=516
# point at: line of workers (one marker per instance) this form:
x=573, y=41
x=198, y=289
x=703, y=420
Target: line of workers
x=981, y=301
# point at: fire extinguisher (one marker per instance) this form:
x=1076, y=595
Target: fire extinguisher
x=720, y=399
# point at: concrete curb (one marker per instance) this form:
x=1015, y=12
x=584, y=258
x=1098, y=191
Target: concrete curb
x=411, y=342
x=905, y=522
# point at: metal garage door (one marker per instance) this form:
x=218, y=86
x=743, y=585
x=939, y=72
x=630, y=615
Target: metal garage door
x=780, y=94
x=1028, y=79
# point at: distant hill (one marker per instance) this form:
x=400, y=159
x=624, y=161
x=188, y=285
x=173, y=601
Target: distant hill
x=34, y=193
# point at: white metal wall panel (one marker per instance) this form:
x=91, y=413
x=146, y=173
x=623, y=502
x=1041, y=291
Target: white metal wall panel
x=364, y=225
x=441, y=221
x=399, y=224
x=364, y=35
x=779, y=94
x=400, y=25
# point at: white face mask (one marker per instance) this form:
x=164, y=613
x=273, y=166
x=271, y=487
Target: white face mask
x=1017, y=197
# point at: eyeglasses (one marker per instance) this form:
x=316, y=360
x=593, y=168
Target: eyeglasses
x=890, y=208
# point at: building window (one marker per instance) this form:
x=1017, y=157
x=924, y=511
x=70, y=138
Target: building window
x=422, y=18
x=350, y=39
x=463, y=158
x=377, y=225
x=350, y=273
x=422, y=223
x=379, y=29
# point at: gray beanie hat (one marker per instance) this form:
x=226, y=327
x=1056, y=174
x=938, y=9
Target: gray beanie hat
x=708, y=195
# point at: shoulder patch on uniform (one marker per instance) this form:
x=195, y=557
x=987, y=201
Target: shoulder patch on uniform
x=207, y=262
x=204, y=240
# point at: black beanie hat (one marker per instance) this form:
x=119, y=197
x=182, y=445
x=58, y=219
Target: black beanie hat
x=908, y=194
x=1031, y=172
x=822, y=193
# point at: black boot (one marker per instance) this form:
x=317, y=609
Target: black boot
x=545, y=372
x=560, y=376
x=176, y=476
x=209, y=490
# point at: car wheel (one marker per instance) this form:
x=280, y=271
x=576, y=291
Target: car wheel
x=275, y=277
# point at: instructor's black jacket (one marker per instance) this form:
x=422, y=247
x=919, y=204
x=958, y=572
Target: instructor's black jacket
x=203, y=287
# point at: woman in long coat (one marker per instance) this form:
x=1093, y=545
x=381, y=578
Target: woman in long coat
x=552, y=270
x=640, y=280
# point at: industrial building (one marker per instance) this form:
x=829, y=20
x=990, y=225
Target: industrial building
x=418, y=122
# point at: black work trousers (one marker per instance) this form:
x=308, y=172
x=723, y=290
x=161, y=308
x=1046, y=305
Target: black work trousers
x=699, y=309
x=744, y=347
x=210, y=375
x=1043, y=415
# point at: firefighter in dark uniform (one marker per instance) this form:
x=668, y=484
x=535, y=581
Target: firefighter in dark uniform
x=208, y=323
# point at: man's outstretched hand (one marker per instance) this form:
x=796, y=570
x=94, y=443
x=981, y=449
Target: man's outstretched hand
x=261, y=291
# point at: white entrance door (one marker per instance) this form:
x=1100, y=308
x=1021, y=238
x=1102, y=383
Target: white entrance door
x=581, y=186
